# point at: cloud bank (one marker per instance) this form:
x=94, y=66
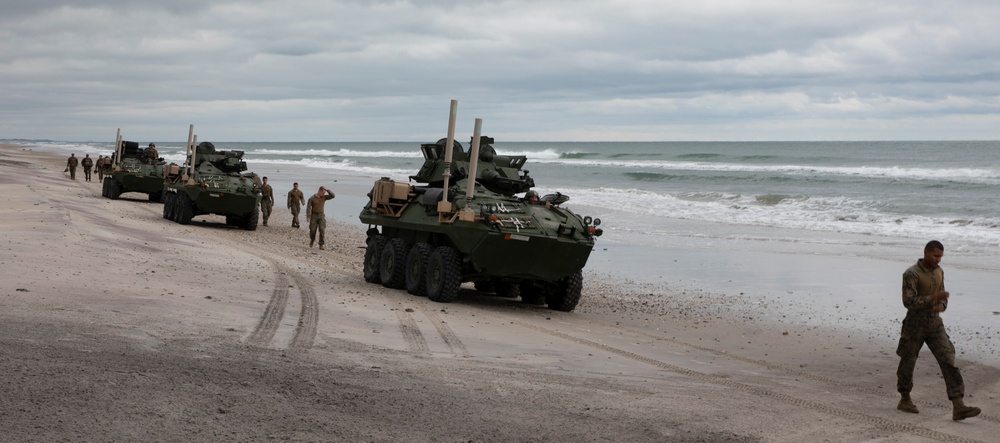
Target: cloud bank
x=319, y=70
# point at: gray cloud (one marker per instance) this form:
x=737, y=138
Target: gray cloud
x=562, y=70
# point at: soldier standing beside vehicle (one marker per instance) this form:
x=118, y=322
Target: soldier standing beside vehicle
x=88, y=165
x=71, y=163
x=266, y=200
x=315, y=215
x=295, y=201
x=924, y=297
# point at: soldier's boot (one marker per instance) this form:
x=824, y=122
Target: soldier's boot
x=962, y=412
x=311, y=241
x=321, y=248
x=906, y=405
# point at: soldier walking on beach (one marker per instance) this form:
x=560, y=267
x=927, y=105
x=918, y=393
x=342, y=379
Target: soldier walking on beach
x=925, y=298
x=71, y=165
x=99, y=167
x=315, y=216
x=266, y=200
x=88, y=166
x=295, y=201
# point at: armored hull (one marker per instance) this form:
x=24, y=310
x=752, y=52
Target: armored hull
x=133, y=171
x=215, y=184
x=505, y=244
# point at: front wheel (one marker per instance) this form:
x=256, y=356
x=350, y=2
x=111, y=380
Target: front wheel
x=184, y=209
x=250, y=220
x=168, y=204
x=444, y=274
x=373, y=258
x=565, y=296
x=114, y=190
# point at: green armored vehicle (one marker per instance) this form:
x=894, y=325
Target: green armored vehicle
x=134, y=169
x=211, y=182
x=430, y=243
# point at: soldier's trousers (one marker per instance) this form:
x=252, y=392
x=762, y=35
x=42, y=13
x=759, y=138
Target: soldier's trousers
x=295, y=215
x=265, y=208
x=317, y=222
x=920, y=328
x=72, y=172
x=86, y=173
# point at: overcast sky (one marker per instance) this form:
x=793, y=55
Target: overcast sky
x=645, y=70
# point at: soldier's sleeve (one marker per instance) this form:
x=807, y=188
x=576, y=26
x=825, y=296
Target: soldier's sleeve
x=911, y=299
x=309, y=207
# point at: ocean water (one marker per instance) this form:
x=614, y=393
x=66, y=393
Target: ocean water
x=835, y=223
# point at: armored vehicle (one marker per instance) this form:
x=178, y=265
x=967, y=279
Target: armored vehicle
x=211, y=182
x=134, y=169
x=430, y=241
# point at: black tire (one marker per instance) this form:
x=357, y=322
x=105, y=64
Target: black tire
x=232, y=220
x=373, y=258
x=104, y=187
x=114, y=189
x=184, y=209
x=250, y=220
x=485, y=286
x=416, y=269
x=565, y=296
x=156, y=197
x=444, y=274
x=505, y=289
x=531, y=293
x=392, y=264
x=168, y=204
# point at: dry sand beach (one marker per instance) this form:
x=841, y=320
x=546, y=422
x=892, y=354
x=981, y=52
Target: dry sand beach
x=117, y=325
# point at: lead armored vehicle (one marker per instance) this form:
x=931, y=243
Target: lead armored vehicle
x=211, y=182
x=134, y=169
x=430, y=241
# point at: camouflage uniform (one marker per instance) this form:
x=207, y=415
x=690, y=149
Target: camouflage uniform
x=88, y=165
x=317, y=221
x=295, y=200
x=100, y=167
x=71, y=165
x=266, y=201
x=922, y=325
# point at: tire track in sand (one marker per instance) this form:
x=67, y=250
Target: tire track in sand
x=263, y=333
x=270, y=321
x=305, y=330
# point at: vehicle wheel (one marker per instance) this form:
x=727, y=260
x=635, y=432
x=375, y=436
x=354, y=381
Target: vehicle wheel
x=114, y=190
x=185, y=209
x=392, y=269
x=155, y=197
x=104, y=187
x=251, y=219
x=485, y=286
x=373, y=258
x=566, y=294
x=532, y=293
x=168, y=204
x=505, y=289
x=444, y=274
x=232, y=220
x=416, y=269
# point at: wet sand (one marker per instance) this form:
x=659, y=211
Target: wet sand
x=118, y=325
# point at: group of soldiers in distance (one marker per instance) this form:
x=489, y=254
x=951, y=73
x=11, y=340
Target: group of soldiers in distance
x=296, y=199
x=101, y=167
